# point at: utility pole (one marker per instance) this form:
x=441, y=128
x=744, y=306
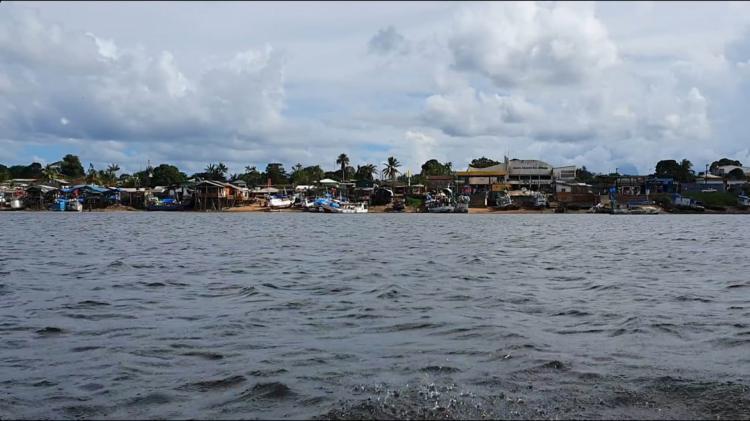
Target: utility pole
x=705, y=177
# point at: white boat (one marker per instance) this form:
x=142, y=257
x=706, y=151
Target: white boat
x=335, y=206
x=441, y=203
x=462, y=204
x=743, y=201
x=16, y=203
x=440, y=207
x=279, y=202
x=74, y=206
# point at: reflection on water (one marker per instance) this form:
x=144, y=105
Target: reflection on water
x=296, y=315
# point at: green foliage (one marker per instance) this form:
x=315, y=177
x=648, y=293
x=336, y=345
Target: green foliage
x=483, y=162
x=276, y=172
x=4, y=173
x=306, y=175
x=71, y=167
x=434, y=167
x=343, y=160
x=736, y=174
x=253, y=177
x=49, y=173
x=391, y=168
x=669, y=168
x=166, y=175
x=365, y=172
x=215, y=172
x=584, y=176
x=714, y=198
x=722, y=162
x=414, y=202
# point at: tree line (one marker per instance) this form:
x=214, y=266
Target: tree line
x=70, y=167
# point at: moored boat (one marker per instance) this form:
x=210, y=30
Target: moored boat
x=279, y=202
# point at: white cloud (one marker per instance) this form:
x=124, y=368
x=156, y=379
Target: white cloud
x=603, y=85
x=526, y=43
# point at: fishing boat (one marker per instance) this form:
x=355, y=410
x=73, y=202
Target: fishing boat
x=503, y=202
x=441, y=203
x=462, y=204
x=167, y=204
x=279, y=202
x=338, y=207
x=74, y=205
x=17, y=203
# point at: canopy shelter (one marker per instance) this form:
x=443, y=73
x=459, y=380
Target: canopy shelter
x=328, y=182
x=266, y=190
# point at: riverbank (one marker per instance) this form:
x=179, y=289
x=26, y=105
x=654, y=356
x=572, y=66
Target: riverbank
x=408, y=209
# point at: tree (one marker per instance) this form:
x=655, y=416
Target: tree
x=276, y=172
x=584, y=176
x=92, y=176
x=722, y=162
x=669, y=168
x=434, y=167
x=343, y=160
x=71, y=166
x=167, y=175
x=109, y=176
x=483, y=162
x=215, y=172
x=253, y=177
x=4, y=173
x=736, y=174
x=391, y=169
x=49, y=173
x=365, y=172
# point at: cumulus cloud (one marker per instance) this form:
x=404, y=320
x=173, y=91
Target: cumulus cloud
x=73, y=84
x=569, y=83
x=466, y=112
x=388, y=41
x=527, y=42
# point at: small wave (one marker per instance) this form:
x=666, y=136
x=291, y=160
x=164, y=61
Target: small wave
x=406, y=326
x=85, y=348
x=272, y=390
x=209, y=385
x=50, y=330
x=84, y=411
x=44, y=383
x=693, y=298
x=154, y=284
x=574, y=332
x=151, y=399
x=267, y=373
x=440, y=369
x=205, y=355
x=576, y=313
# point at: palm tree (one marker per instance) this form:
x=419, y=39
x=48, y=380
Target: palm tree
x=49, y=173
x=391, y=169
x=222, y=169
x=366, y=171
x=110, y=175
x=92, y=177
x=343, y=160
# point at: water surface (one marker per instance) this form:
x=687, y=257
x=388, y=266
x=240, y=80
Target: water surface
x=180, y=315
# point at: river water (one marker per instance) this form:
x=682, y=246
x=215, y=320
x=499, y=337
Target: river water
x=247, y=315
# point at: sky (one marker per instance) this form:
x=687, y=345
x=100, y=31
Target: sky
x=606, y=85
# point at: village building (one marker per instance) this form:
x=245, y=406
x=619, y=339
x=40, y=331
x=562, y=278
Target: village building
x=514, y=173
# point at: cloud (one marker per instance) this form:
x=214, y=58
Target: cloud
x=466, y=112
x=87, y=88
x=528, y=43
x=388, y=41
